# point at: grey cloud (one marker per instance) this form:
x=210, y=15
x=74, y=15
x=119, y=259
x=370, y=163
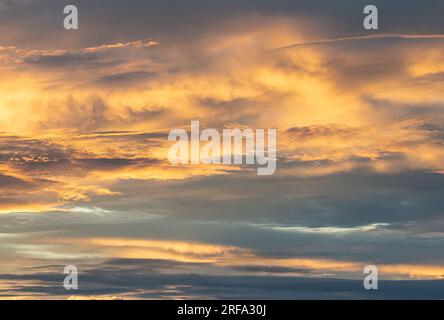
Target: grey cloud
x=144, y=279
x=390, y=110
x=63, y=60
x=127, y=78
x=21, y=149
x=137, y=19
x=95, y=115
x=300, y=133
x=9, y=182
x=346, y=199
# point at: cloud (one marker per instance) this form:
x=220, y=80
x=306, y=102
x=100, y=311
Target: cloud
x=144, y=279
x=84, y=174
x=127, y=78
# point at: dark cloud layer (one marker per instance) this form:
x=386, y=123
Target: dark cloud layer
x=145, y=279
x=137, y=18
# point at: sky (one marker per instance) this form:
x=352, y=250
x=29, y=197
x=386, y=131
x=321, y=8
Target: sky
x=85, y=178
